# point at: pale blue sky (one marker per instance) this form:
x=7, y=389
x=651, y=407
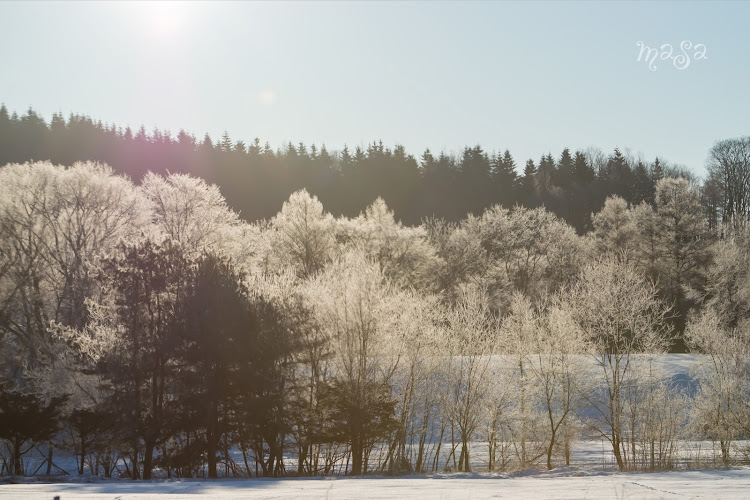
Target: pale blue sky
x=532, y=77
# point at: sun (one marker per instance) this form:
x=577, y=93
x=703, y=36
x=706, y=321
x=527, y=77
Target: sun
x=163, y=20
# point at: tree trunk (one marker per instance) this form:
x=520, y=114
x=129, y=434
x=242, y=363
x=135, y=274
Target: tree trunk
x=302, y=457
x=148, y=460
x=212, y=438
x=17, y=466
x=422, y=439
x=617, y=452
x=83, y=456
x=50, y=450
x=357, y=455
x=725, y=452
x=134, y=462
x=549, y=451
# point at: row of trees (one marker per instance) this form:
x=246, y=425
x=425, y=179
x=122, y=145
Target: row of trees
x=149, y=326
x=256, y=179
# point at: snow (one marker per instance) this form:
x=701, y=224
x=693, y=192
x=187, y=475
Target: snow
x=561, y=483
x=592, y=477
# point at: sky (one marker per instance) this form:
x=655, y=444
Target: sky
x=532, y=77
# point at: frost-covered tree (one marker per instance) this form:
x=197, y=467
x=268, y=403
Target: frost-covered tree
x=558, y=366
x=543, y=348
x=403, y=253
x=620, y=315
x=721, y=411
x=462, y=258
x=530, y=251
x=519, y=329
x=303, y=234
x=727, y=287
x=684, y=245
x=614, y=228
x=470, y=339
x=721, y=332
x=359, y=312
x=655, y=415
x=647, y=243
x=189, y=211
x=55, y=223
x=415, y=381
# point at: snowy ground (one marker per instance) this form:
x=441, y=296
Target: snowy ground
x=562, y=483
x=592, y=477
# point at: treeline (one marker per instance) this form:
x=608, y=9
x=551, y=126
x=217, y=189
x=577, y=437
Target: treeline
x=147, y=327
x=256, y=179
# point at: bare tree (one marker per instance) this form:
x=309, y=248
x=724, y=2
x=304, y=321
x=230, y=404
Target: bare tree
x=560, y=369
x=519, y=329
x=620, y=315
x=470, y=339
x=721, y=411
x=729, y=170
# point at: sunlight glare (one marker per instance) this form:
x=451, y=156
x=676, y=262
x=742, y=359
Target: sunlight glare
x=164, y=20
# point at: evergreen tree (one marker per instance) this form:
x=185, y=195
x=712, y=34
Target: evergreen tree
x=583, y=172
x=565, y=170
x=618, y=175
x=232, y=348
x=475, y=178
x=26, y=421
x=643, y=187
x=657, y=171
x=427, y=162
x=545, y=175
x=147, y=281
x=504, y=178
x=256, y=179
x=528, y=186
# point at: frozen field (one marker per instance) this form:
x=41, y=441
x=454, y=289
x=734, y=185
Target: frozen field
x=592, y=477
x=563, y=483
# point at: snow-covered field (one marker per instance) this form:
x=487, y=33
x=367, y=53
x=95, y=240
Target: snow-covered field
x=561, y=483
x=592, y=477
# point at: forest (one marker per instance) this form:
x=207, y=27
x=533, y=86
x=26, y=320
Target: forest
x=183, y=309
x=255, y=179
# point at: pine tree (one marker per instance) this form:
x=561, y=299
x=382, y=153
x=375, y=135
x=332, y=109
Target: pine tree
x=347, y=161
x=26, y=421
x=146, y=280
x=565, y=169
x=643, y=187
x=427, y=162
x=504, y=178
x=475, y=180
x=583, y=173
x=255, y=149
x=225, y=145
x=657, y=171
x=545, y=175
x=527, y=185
x=619, y=176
